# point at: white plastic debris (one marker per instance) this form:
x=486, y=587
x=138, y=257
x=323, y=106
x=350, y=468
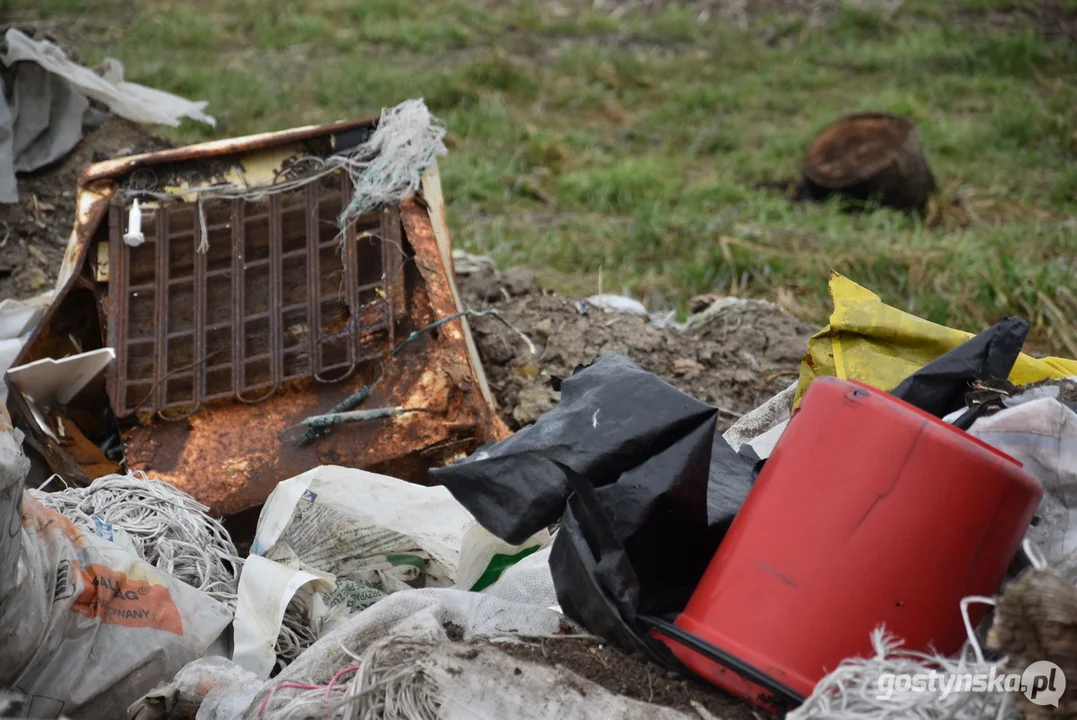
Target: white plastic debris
x=342, y=539
x=762, y=427
x=135, y=102
x=134, y=237
x=1042, y=435
x=18, y=318
x=396, y=660
x=619, y=303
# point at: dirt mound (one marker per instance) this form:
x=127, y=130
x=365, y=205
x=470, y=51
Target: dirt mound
x=630, y=675
x=35, y=231
x=735, y=356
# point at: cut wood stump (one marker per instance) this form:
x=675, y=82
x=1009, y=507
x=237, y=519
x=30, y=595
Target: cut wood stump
x=869, y=157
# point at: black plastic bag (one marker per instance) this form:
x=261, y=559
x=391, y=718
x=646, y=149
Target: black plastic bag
x=644, y=484
x=940, y=386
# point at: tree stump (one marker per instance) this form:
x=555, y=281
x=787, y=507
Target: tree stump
x=869, y=157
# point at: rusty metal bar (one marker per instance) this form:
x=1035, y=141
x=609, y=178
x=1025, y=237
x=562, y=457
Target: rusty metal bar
x=351, y=272
x=198, y=381
x=276, y=225
x=161, y=306
x=117, y=289
x=239, y=368
x=314, y=283
x=392, y=249
x=216, y=148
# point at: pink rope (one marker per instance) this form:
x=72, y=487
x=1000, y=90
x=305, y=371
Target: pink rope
x=282, y=686
x=329, y=689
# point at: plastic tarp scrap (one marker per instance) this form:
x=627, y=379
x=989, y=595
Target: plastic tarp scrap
x=1041, y=434
x=411, y=656
x=86, y=627
x=762, y=427
x=417, y=615
x=135, y=102
x=213, y=687
x=643, y=483
x=18, y=318
x=49, y=107
x=870, y=341
x=42, y=124
x=351, y=538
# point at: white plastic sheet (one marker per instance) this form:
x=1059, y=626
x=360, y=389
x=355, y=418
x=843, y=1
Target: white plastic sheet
x=362, y=536
x=1042, y=435
x=763, y=427
x=135, y=102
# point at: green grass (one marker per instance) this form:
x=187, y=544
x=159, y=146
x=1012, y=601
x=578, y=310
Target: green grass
x=634, y=146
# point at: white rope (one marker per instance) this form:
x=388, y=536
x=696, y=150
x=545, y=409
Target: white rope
x=168, y=528
x=856, y=689
x=296, y=630
x=384, y=170
x=388, y=682
x=404, y=144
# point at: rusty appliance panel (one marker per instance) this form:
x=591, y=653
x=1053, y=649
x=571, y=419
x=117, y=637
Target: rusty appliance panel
x=221, y=355
x=275, y=297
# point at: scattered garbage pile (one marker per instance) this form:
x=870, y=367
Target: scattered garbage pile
x=264, y=459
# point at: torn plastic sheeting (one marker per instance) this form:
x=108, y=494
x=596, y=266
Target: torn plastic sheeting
x=17, y=321
x=757, y=428
x=87, y=627
x=265, y=589
x=646, y=487
x=1042, y=435
x=135, y=102
x=420, y=615
x=213, y=687
x=881, y=346
x=42, y=124
x=366, y=536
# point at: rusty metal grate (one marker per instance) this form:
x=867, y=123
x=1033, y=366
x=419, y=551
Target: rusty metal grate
x=272, y=301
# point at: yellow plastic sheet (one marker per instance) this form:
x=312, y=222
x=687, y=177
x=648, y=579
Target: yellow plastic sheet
x=869, y=341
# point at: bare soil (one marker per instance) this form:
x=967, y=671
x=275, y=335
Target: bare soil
x=1052, y=19
x=35, y=231
x=633, y=676
x=742, y=356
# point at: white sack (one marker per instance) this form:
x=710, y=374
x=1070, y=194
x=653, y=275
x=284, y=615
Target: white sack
x=86, y=628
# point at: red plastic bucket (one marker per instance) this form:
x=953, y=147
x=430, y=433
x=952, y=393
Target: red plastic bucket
x=869, y=512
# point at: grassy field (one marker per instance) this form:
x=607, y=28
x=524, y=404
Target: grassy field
x=635, y=143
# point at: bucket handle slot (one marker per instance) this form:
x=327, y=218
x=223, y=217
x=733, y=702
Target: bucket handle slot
x=783, y=695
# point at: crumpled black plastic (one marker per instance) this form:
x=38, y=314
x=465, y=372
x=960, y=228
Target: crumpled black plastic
x=642, y=481
x=940, y=386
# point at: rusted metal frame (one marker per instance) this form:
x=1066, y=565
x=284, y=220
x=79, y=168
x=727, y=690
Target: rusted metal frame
x=314, y=302
x=160, y=300
x=217, y=148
